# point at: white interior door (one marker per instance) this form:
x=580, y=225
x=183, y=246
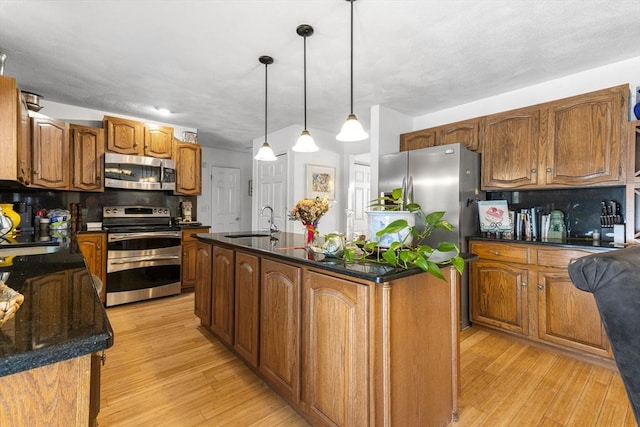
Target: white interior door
x=361, y=197
x=272, y=191
x=225, y=199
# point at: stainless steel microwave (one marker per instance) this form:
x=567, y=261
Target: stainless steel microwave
x=138, y=172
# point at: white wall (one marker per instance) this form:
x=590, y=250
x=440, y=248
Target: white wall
x=587, y=81
x=330, y=154
x=229, y=159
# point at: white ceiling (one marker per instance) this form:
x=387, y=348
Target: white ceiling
x=200, y=57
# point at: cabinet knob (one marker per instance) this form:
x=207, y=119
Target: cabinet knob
x=524, y=284
x=496, y=253
x=135, y=144
x=36, y=171
x=103, y=358
x=549, y=169
x=534, y=170
x=540, y=287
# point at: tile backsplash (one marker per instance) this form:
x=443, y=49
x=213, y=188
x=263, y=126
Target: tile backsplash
x=581, y=206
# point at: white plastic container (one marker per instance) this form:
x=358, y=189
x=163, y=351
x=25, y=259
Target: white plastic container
x=380, y=219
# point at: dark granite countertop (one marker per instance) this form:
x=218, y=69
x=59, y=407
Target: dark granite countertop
x=290, y=247
x=61, y=317
x=570, y=243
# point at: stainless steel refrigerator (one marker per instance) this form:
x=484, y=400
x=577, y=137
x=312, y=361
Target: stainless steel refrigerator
x=442, y=178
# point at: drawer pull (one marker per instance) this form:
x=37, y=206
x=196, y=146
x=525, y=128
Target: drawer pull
x=496, y=253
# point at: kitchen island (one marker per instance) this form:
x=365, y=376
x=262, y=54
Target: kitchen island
x=343, y=343
x=50, y=352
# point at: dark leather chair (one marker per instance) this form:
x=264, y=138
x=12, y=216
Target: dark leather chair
x=614, y=279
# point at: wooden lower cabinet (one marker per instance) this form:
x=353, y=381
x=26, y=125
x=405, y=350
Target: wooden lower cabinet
x=343, y=351
x=94, y=249
x=335, y=343
x=247, y=307
x=499, y=295
x=64, y=394
x=202, y=292
x=280, y=327
x=188, y=267
x=534, y=297
x=222, y=294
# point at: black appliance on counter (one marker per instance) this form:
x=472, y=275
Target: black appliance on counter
x=143, y=253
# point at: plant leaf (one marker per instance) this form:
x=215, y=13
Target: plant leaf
x=393, y=227
x=390, y=257
x=458, y=263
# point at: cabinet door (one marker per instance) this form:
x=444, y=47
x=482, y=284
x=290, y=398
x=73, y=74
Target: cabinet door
x=280, y=327
x=24, y=142
x=202, y=294
x=188, y=158
x=189, y=273
x=568, y=316
x=498, y=295
x=222, y=293
x=247, y=308
x=157, y=141
x=87, y=158
x=418, y=139
x=94, y=249
x=50, y=150
x=336, y=350
x=189, y=267
x=509, y=143
x=585, y=138
x=124, y=136
x=465, y=132
x=50, y=305
x=86, y=314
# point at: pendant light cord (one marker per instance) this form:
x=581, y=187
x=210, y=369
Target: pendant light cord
x=305, y=82
x=351, y=1
x=265, y=102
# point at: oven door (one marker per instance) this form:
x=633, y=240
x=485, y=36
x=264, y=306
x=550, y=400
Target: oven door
x=142, y=265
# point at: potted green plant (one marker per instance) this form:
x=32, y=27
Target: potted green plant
x=401, y=253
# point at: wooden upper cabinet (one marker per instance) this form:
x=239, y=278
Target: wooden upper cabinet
x=510, y=144
x=586, y=137
x=15, y=134
x=50, y=150
x=465, y=132
x=157, y=141
x=188, y=159
x=87, y=158
x=418, y=139
x=124, y=136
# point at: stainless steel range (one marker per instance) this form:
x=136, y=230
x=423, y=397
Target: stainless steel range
x=143, y=253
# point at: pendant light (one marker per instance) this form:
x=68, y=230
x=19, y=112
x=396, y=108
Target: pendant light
x=352, y=129
x=305, y=143
x=265, y=153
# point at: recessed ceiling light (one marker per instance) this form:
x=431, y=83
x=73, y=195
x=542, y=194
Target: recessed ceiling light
x=164, y=111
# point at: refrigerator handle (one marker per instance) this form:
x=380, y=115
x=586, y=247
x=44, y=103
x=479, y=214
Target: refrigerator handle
x=404, y=192
x=409, y=194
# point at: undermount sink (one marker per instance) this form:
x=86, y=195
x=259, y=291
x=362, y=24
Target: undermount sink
x=237, y=236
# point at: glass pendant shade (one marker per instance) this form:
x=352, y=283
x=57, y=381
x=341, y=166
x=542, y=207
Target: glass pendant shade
x=265, y=153
x=352, y=130
x=305, y=143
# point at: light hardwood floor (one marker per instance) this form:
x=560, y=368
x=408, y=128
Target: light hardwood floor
x=165, y=370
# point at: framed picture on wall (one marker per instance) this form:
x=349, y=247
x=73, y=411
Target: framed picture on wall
x=321, y=182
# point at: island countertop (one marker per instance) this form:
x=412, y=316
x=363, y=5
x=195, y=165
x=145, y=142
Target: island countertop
x=291, y=247
x=61, y=317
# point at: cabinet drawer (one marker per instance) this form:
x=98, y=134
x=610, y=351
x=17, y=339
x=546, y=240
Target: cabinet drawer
x=560, y=258
x=501, y=252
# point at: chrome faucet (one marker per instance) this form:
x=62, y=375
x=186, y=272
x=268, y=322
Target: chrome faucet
x=272, y=227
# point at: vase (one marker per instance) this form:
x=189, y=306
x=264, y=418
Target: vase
x=312, y=228
x=378, y=220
